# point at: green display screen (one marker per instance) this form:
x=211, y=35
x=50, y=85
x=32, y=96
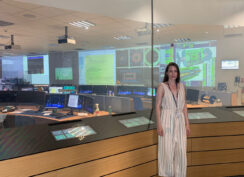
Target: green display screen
x=99, y=69
x=63, y=73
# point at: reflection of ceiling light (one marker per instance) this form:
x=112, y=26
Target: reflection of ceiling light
x=122, y=37
x=231, y=26
x=183, y=40
x=52, y=45
x=82, y=24
x=159, y=25
x=157, y=30
x=109, y=47
x=29, y=16
x=4, y=37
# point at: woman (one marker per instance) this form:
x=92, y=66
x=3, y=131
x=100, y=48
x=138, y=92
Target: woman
x=172, y=124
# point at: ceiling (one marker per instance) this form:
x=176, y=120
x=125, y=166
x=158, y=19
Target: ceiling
x=38, y=24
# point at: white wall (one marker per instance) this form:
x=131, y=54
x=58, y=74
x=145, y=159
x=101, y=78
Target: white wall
x=230, y=48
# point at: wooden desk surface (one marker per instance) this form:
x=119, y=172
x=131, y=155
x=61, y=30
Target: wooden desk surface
x=203, y=105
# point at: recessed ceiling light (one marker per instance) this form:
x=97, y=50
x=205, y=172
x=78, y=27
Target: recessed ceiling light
x=82, y=24
x=122, y=37
x=231, y=26
x=183, y=40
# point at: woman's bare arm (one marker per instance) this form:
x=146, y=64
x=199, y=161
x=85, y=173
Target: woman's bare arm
x=159, y=96
x=187, y=124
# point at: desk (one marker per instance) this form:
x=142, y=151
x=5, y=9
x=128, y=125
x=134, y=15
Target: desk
x=75, y=117
x=203, y=105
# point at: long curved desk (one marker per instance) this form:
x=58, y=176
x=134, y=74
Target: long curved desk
x=215, y=148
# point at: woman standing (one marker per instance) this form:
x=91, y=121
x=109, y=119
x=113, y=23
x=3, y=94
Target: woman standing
x=172, y=124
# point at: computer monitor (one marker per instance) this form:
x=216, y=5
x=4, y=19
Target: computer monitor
x=69, y=90
x=55, y=90
x=124, y=90
x=151, y=91
x=88, y=104
x=100, y=89
x=222, y=86
x=230, y=64
x=8, y=96
x=6, y=87
x=27, y=89
x=192, y=95
x=139, y=91
x=85, y=89
x=55, y=101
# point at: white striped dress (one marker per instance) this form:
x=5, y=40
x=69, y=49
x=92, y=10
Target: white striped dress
x=172, y=145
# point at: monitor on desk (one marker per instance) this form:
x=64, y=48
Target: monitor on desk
x=151, y=91
x=222, y=86
x=55, y=90
x=139, y=91
x=55, y=101
x=69, y=89
x=88, y=104
x=100, y=89
x=8, y=96
x=85, y=89
x=124, y=90
x=192, y=95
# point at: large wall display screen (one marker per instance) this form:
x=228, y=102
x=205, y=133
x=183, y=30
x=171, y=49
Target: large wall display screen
x=132, y=66
x=64, y=73
x=12, y=67
x=97, y=67
x=35, y=65
x=197, y=62
x=36, y=69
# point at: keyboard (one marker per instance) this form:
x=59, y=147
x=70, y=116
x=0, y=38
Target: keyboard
x=57, y=114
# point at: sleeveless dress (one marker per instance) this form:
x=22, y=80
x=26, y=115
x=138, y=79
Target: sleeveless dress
x=172, y=145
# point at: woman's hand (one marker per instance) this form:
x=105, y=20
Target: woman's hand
x=160, y=130
x=188, y=130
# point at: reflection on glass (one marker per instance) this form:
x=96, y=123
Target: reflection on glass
x=135, y=122
x=201, y=115
x=240, y=113
x=75, y=132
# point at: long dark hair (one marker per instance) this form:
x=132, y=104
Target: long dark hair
x=166, y=77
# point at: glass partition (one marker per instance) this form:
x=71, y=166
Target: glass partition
x=70, y=64
x=207, y=46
